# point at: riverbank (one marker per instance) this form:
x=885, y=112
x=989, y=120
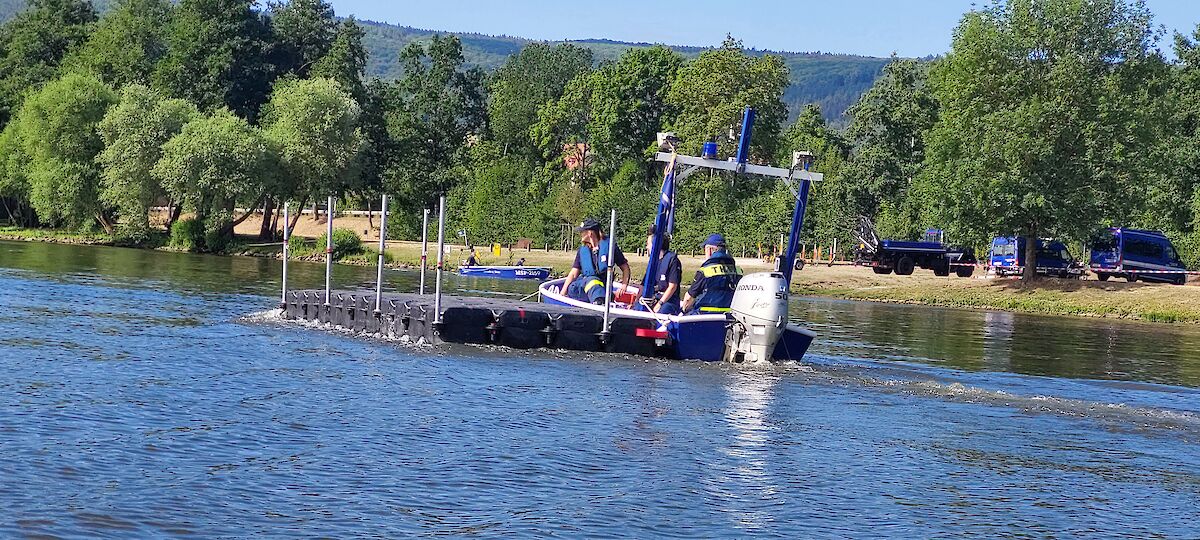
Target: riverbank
x=1086, y=298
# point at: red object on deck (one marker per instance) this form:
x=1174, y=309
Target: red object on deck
x=625, y=297
x=651, y=333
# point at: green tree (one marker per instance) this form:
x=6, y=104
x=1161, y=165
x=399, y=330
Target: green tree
x=313, y=125
x=1034, y=132
x=14, y=184
x=429, y=114
x=887, y=132
x=530, y=79
x=217, y=56
x=618, y=109
x=495, y=203
x=711, y=92
x=346, y=61
x=628, y=193
x=829, y=215
x=134, y=132
x=1180, y=153
x=33, y=44
x=127, y=44
x=56, y=127
x=217, y=162
x=304, y=33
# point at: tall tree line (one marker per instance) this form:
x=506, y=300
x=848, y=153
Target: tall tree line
x=1046, y=118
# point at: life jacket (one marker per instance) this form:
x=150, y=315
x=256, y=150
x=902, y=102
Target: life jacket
x=721, y=276
x=594, y=264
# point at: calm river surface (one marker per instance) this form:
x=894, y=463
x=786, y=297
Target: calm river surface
x=140, y=395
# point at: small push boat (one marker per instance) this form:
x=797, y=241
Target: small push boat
x=539, y=273
x=698, y=337
x=756, y=327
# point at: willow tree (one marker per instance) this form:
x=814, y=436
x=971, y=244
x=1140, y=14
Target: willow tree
x=134, y=132
x=56, y=127
x=1035, y=127
x=214, y=164
x=313, y=126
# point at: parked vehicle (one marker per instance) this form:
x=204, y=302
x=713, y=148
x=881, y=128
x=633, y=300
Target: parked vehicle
x=1134, y=255
x=902, y=257
x=1007, y=258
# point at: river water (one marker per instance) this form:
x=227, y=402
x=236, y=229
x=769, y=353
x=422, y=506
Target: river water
x=148, y=394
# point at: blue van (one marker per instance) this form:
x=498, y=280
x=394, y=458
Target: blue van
x=1007, y=258
x=1117, y=251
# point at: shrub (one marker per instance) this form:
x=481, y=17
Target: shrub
x=345, y=242
x=187, y=234
x=299, y=246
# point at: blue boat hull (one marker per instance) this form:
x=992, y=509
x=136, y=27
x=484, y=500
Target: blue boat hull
x=506, y=272
x=699, y=337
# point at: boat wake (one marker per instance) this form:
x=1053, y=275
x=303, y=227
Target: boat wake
x=1118, y=416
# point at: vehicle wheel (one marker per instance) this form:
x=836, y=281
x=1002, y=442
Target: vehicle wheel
x=1131, y=278
x=799, y=264
x=964, y=271
x=1181, y=280
x=1062, y=274
x=1102, y=276
x=941, y=270
x=881, y=270
x=905, y=266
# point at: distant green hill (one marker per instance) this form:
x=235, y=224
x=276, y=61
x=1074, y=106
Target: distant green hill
x=835, y=81
x=832, y=80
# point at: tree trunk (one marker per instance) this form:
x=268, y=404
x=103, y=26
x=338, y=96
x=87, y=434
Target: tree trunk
x=11, y=217
x=1031, y=247
x=104, y=222
x=316, y=217
x=275, y=219
x=296, y=218
x=228, y=229
x=370, y=216
x=175, y=211
x=265, y=232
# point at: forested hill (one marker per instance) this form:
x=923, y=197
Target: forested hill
x=835, y=81
x=832, y=80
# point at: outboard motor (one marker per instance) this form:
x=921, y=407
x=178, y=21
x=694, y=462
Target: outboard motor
x=759, y=316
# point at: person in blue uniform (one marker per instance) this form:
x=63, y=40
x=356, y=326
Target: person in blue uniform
x=717, y=279
x=586, y=280
x=670, y=275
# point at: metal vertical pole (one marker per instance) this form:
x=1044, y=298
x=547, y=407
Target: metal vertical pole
x=437, y=283
x=424, y=248
x=382, y=249
x=286, y=237
x=328, y=247
x=608, y=282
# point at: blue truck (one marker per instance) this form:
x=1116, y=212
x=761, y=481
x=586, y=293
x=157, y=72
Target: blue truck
x=1007, y=258
x=1136, y=254
x=903, y=257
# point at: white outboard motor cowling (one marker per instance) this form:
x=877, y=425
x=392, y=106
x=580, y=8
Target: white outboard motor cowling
x=759, y=314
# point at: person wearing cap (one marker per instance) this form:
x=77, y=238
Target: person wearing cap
x=585, y=282
x=670, y=275
x=712, y=292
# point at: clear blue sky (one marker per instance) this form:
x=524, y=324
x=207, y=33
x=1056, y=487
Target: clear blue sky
x=869, y=27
